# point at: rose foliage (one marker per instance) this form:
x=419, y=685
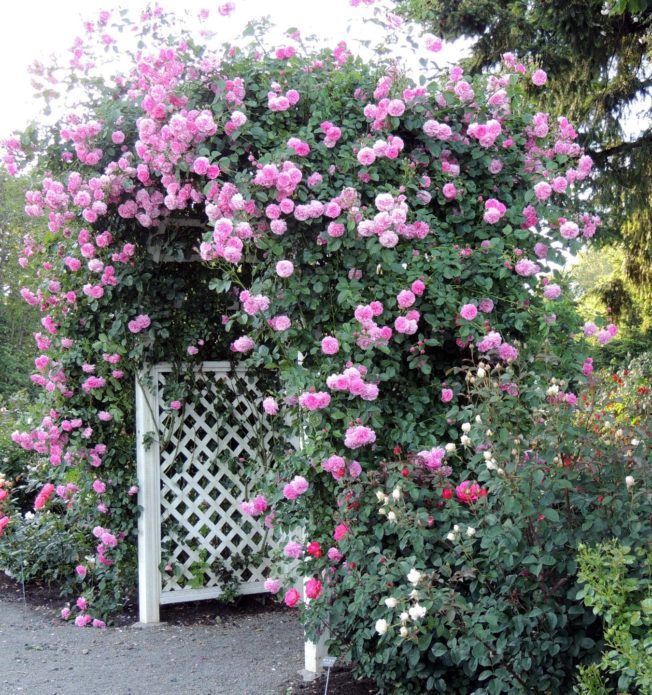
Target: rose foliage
x=385, y=249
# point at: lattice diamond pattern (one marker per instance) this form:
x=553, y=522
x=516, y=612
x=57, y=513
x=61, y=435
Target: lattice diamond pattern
x=201, y=486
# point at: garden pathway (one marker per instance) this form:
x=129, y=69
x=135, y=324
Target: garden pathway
x=253, y=652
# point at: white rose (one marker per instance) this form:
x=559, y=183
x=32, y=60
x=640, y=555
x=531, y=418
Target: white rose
x=414, y=576
x=466, y=427
x=404, y=631
x=629, y=481
x=451, y=537
x=487, y=455
x=404, y=617
x=450, y=448
x=380, y=495
x=417, y=612
x=391, y=602
x=391, y=516
x=396, y=493
x=381, y=626
x=481, y=373
x=465, y=441
x=478, y=419
x=470, y=532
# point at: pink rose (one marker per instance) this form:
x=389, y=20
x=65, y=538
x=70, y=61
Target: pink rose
x=270, y=406
x=539, y=78
x=469, y=312
x=292, y=597
x=284, y=269
x=313, y=588
x=329, y=345
x=272, y=585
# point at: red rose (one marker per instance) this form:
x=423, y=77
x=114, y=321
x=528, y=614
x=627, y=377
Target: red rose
x=314, y=549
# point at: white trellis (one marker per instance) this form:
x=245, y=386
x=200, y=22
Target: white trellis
x=190, y=490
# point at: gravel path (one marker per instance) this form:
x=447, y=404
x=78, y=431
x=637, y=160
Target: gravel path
x=252, y=654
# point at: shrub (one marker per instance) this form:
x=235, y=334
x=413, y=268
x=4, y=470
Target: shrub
x=618, y=587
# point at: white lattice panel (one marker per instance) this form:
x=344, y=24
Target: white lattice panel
x=202, y=461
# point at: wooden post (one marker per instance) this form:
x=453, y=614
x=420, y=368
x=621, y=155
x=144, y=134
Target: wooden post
x=149, y=521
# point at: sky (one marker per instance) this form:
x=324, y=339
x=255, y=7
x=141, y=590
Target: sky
x=36, y=29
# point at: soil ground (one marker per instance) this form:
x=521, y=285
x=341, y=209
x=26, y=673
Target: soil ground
x=204, y=648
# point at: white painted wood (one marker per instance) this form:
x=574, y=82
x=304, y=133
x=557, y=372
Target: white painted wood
x=190, y=496
x=149, y=528
x=209, y=593
x=313, y=652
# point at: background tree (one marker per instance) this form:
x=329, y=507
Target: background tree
x=597, y=55
x=17, y=319
x=601, y=287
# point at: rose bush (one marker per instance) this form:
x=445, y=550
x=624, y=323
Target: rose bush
x=616, y=581
x=386, y=249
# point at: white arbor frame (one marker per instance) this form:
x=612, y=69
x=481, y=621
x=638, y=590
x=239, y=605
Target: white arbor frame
x=184, y=481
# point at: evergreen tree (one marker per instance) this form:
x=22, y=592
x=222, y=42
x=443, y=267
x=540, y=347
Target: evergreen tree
x=598, y=55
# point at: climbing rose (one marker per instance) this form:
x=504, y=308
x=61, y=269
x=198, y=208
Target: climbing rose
x=272, y=585
x=507, y=352
x=405, y=299
x=314, y=401
x=284, y=269
x=329, y=345
x=366, y=156
x=270, y=406
x=542, y=190
x=295, y=488
x=140, y=323
x=313, y=588
x=539, y=78
x=569, y=230
x=359, y=436
x=494, y=210
x=292, y=597
x=525, y=268
x=469, y=312
x=552, y=291
x=293, y=550
x=243, y=344
x=449, y=191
